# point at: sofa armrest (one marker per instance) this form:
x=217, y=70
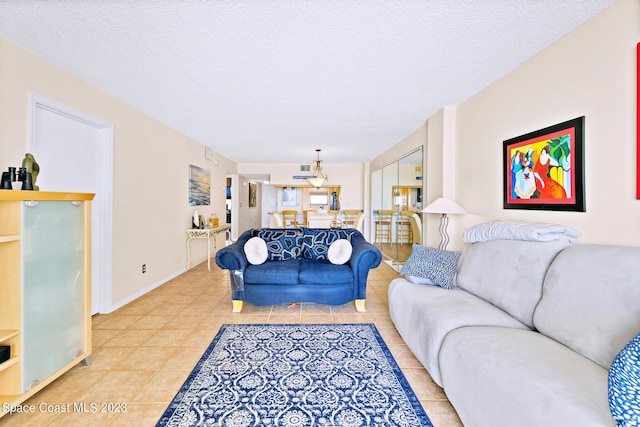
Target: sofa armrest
x=364, y=257
x=232, y=257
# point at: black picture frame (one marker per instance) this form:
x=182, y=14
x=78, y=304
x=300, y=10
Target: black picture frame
x=544, y=169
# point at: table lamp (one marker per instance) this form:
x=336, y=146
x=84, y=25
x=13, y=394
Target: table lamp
x=445, y=207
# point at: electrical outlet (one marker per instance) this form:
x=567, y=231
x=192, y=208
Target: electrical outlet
x=144, y=268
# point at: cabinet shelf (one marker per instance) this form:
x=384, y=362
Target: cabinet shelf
x=4, y=238
x=6, y=335
x=9, y=363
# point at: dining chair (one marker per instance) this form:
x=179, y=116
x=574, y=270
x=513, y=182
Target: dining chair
x=276, y=220
x=416, y=228
x=290, y=218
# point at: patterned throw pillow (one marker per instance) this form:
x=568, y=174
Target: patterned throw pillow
x=436, y=265
x=282, y=243
x=316, y=241
x=624, y=385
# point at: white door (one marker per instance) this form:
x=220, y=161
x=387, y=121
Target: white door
x=74, y=152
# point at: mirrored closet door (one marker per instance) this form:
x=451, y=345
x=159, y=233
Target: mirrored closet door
x=396, y=202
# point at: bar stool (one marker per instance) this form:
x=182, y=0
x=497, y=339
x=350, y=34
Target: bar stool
x=350, y=218
x=335, y=223
x=383, y=226
x=290, y=218
x=305, y=216
x=333, y=212
x=404, y=232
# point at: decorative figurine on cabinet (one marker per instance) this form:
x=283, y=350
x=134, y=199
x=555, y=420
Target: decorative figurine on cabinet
x=30, y=164
x=27, y=174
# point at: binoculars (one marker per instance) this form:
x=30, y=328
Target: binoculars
x=12, y=176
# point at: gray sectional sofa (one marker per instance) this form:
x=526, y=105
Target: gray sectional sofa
x=529, y=333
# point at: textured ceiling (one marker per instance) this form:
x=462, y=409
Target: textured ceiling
x=271, y=81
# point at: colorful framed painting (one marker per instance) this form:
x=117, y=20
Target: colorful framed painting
x=199, y=186
x=544, y=169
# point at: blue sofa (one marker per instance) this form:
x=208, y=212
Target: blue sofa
x=298, y=269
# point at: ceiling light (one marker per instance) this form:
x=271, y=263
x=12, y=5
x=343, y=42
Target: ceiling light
x=318, y=178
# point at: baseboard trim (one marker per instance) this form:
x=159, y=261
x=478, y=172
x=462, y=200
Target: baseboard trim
x=142, y=292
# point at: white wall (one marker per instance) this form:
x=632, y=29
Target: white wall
x=248, y=217
x=590, y=72
x=151, y=170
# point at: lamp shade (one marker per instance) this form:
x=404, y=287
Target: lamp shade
x=317, y=181
x=442, y=205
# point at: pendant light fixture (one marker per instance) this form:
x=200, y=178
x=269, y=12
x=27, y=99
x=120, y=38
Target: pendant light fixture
x=318, y=178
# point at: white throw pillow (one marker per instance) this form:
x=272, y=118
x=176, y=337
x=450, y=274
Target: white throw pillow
x=339, y=251
x=256, y=250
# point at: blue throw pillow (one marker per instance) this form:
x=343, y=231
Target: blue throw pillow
x=282, y=243
x=316, y=241
x=624, y=385
x=437, y=265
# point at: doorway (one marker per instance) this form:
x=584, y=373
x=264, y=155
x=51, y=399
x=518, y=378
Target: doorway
x=75, y=154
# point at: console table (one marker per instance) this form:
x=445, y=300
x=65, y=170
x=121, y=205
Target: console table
x=204, y=233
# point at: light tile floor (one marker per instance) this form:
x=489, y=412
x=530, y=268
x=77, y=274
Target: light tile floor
x=143, y=352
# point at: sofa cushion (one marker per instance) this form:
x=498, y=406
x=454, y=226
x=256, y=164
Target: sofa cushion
x=339, y=251
x=503, y=377
x=591, y=300
x=273, y=273
x=256, y=250
x=436, y=265
x=324, y=273
x=624, y=383
x=424, y=315
x=508, y=273
x=282, y=243
x=316, y=241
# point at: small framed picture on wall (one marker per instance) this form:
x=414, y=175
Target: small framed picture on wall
x=289, y=196
x=252, y=195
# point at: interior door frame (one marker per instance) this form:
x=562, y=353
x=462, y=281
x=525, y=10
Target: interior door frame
x=102, y=259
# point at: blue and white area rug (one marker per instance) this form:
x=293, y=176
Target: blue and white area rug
x=296, y=375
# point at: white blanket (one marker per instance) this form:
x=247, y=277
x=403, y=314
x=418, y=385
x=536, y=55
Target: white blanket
x=519, y=230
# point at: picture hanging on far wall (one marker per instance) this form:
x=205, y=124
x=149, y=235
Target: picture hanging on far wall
x=289, y=196
x=199, y=186
x=252, y=195
x=544, y=169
